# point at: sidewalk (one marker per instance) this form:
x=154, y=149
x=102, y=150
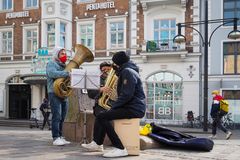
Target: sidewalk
x=34, y=144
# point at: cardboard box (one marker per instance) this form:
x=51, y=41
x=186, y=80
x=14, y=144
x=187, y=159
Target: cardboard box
x=128, y=132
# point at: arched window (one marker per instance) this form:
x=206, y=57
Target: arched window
x=164, y=96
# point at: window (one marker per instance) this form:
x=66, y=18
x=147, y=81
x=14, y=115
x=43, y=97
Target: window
x=62, y=35
x=51, y=35
x=31, y=3
x=117, y=34
x=7, y=42
x=164, y=29
x=231, y=9
x=31, y=41
x=86, y=35
x=164, y=96
x=233, y=98
x=6, y=4
x=231, y=57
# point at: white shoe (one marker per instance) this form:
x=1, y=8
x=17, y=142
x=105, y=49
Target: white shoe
x=116, y=152
x=213, y=136
x=58, y=142
x=93, y=147
x=64, y=140
x=228, y=135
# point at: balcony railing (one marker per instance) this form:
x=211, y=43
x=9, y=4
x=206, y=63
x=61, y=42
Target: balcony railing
x=162, y=46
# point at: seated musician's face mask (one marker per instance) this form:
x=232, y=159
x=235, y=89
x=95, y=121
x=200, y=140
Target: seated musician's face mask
x=116, y=68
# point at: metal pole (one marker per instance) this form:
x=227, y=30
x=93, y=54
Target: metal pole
x=205, y=125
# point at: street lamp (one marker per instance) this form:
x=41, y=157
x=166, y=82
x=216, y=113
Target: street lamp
x=235, y=34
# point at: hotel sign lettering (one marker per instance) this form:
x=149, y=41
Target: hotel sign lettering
x=98, y=6
x=17, y=14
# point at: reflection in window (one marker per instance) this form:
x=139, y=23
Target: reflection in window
x=6, y=4
x=7, y=40
x=51, y=35
x=231, y=9
x=31, y=3
x=164, y=96
x=31, y=40
x=164, y=29
x=86, y=34
x=117, y=34
x=62, y=34
x=231, y=58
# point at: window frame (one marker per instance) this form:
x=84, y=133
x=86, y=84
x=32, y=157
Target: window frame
x=10, y=29
x=160, y=29
x=31, y=7
x=234, y=9
x=86, y=22
x=64, y=34
x=6, y=10
x=235, y=54
x=25, y=30
x=49, y=32
x=115, y=19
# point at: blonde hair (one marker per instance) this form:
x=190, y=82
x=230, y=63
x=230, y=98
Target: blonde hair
x=215, y=92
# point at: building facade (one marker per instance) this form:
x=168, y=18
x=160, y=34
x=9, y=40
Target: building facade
x=30, y=29
x=224, y=62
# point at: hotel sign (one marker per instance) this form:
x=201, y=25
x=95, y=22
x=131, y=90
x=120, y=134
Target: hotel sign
x=17, y=14
x=98, y=6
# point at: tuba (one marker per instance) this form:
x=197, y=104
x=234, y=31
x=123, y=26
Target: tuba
x=61, y=86
x=111, y=82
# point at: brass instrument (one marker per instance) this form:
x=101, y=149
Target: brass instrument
x=61, y=86
x=111, y=82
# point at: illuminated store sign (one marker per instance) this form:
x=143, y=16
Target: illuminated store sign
x=103, y=5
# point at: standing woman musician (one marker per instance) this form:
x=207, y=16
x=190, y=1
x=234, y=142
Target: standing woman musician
x=54, y=70
x=129, y=104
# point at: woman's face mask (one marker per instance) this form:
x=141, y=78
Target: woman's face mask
x=62, y=56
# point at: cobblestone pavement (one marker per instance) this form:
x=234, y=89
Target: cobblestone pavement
x=34, y=144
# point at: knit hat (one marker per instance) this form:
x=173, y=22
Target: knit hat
x=215, y=92
x=120, y=58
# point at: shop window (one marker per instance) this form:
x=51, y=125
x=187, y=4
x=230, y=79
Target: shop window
x=233, y=98
x=164, y=96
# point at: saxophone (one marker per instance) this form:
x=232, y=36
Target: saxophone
x=111, y=82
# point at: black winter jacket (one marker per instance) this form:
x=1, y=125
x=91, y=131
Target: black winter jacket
x=130, y=89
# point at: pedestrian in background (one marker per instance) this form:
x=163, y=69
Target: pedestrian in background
x=217, y=115
x=46, y=110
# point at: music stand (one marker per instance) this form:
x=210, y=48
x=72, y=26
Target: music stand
x=83, y=79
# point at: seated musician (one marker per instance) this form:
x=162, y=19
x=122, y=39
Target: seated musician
x=105, y=67
x=130, y=103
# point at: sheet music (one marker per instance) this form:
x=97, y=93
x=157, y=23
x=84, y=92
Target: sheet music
x=85, y=79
